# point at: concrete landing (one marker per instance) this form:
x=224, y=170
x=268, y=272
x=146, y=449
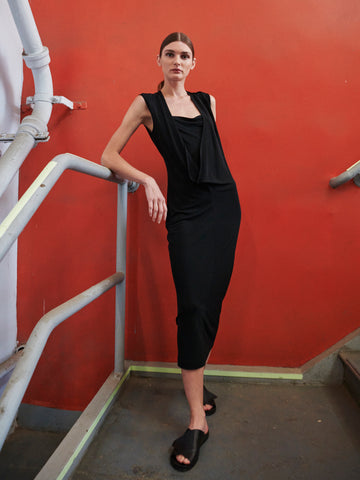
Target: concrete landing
x=259, y=432
x=25, y=452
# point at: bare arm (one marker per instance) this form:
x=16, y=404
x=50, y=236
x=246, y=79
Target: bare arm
x=137, y=114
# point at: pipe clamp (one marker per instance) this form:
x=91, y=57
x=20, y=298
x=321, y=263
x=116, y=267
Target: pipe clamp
x=34, y=127
x=45, y=97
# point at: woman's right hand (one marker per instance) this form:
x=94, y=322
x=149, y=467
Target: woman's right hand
x=156, y=201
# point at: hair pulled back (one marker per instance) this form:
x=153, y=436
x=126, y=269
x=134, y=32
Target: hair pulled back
x=175, y=37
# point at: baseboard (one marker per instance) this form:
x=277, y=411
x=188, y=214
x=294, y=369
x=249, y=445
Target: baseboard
x=219, y=372
x=324, y=369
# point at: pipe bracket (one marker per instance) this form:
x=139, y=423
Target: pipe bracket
x=44, y=97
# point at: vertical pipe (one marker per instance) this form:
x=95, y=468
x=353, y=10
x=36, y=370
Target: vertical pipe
x=37, y=58
x=24, y=19
x=11, y=79
x=120, y=267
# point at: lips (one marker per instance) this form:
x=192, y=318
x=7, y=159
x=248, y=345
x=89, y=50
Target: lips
x=176, y=70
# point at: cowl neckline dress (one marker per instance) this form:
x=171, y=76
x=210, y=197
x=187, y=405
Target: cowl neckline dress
x=202, y=223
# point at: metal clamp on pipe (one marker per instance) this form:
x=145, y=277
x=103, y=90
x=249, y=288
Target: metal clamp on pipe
x=35, y=127
x=44, y=97
x=352, y=173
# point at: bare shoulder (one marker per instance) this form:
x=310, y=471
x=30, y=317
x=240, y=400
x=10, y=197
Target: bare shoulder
x=139, y=107
x=138, y=113
x=213, y=105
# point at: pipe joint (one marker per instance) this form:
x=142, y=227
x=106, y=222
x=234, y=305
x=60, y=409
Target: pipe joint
x=35, y=127
x=38, y=59
x=132, y=187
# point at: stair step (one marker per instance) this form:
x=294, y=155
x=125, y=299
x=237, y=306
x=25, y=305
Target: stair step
x=351, y=360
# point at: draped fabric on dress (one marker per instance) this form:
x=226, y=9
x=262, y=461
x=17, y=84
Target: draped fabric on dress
x=203, y=221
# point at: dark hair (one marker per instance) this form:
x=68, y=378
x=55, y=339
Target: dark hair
x=175, y=37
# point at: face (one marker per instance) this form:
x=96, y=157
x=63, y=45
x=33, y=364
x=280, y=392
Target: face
x=176, y=61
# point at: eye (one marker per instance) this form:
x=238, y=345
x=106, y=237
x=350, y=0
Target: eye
x=169, y=54
x=185, y=56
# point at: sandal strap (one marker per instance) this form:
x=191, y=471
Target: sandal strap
x=188, y=444
x=209, y=397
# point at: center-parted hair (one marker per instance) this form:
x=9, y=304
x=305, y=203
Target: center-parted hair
x=175, y=37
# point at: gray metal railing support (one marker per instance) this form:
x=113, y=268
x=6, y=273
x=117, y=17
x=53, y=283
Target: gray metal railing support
x=20, y=379
x=19, y=216
x=121, y=288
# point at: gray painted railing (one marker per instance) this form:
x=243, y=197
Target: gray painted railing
x=11, y=228
x=19, y=216
x=352, y=173
x=21, y=376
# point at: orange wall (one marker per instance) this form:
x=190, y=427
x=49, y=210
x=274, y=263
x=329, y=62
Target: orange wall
x=286, y=76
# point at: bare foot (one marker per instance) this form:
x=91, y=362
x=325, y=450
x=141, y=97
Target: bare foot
x=208, y=407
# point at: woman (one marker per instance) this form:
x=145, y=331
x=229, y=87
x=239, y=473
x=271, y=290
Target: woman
x=202, y=215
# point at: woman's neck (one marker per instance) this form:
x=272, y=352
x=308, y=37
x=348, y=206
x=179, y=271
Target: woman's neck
x=176, y=90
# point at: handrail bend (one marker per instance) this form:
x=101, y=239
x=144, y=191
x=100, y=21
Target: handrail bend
x=352, y=173
x=19, y=216
x=10, y=229
x=21, y=376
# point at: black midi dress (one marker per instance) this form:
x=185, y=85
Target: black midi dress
x=202, y=223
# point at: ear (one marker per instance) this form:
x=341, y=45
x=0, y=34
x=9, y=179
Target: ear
x=158, y=60
x=193, y=63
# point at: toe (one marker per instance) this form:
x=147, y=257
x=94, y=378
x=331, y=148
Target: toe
x=182, y=459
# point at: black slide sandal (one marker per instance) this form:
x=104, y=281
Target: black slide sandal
x=189, y=446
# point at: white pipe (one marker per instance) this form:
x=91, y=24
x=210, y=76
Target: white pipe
x=37, y=58
x=25, y=22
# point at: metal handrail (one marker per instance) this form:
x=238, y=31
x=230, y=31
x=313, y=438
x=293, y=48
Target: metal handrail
x=21, y=376
x=32, y=129
x=19, y=216
x=10, y=229
x=352, y=173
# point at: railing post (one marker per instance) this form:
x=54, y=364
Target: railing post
x=120, y=267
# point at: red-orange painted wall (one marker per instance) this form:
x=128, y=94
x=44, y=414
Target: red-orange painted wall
x=286, y=76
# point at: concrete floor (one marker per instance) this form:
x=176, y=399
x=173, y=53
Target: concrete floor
x=25, y=452
x=259, y=432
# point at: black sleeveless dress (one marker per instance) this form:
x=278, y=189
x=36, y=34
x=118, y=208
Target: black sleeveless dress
x=203, y=221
